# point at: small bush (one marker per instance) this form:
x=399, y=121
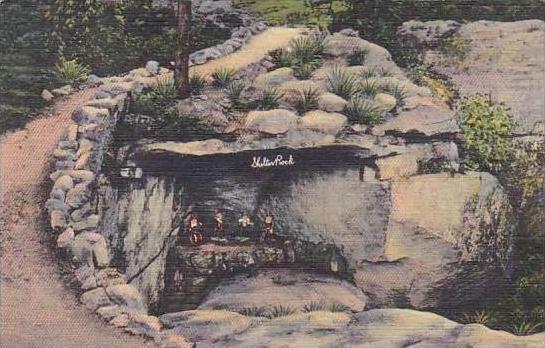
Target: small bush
x=308, y=49
x=254, y=311
x=70, y=72
x=525, y=328
x=303, y=71
x=164, y=88
x=156, y=100
x=223, y=77
x=342, y=83
x=280, y=311
x=357, y=57
x=339, y=307
x=365, y=112
x=281, y=58
x=234, y=92
x=478, y=317
x=369, y=88
x=314, y=307
x=397, y=91
x=197, y=83
x=485, y=128
x=270, y=99
x=306, y=100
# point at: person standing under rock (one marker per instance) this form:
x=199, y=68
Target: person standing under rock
x=245, y=225
x=195, y=229
x=219, y=229
x=268, y=230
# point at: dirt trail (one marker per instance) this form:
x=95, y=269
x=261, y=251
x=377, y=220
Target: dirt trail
x=36, y=307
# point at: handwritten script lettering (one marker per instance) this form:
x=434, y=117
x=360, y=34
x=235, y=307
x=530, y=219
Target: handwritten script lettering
x=278, y=161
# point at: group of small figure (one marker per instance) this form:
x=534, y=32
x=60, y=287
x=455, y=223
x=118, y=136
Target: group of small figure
x=195, y=228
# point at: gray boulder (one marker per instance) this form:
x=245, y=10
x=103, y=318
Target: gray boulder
x=95, y=299
x=126, y=295
x=65, y=239
x=78, y=195
x=152, y=67
x=88, y=223
x=426, y=34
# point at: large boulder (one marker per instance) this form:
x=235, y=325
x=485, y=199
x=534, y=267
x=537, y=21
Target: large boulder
x=331, y=102
x=126, y=295
x=325, y=122
x=273, y=122
x=420, y=35
x=274, y=78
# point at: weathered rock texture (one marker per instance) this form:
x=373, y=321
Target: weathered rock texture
x=505, y=60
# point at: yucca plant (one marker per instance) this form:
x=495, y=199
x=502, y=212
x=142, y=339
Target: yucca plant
x=339, y=307
x=363, y=111
x=70, y=72
x=478, y=317
x=357, y=57
x=197, y=83
x=270, y=99
x=280, y=311
x=314, y=307
x=223, y=77
x=369, y=88
x=305, y=100
x=303, y=71
x=164, y=88
x=281, y=58
x=369, y=73
x=342, y=83
x=397, y=91
x=383, y=72
x=525, y=328
x=234, y=92
x=307, y=49
x=254, y=311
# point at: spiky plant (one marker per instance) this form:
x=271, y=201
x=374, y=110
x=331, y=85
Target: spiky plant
x=281, y=58
x=369, y=73
x=363, y=111
x=197, y=83
x=270, y=99
x=397, y=91
x=306, y=100
x=339, y=307
x=314, y=307
x=307, y=49
x=369, y=88
x=357, y=57
x=254, y=311
x=281, y=311
x=223, y=77
x=525, y=328
x=342, y=83
x=303, y=71
x=234, y=92
x=70, y=72
x=478, y=317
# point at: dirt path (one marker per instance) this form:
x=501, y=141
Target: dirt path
x=36, y=308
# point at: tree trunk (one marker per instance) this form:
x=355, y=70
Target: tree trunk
x=181, y=59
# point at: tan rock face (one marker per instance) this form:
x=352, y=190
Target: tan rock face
x=401, y=166
x=274, y=78
x=325, y=122
x=274, y=122
x=385, y=101
x=330, y=102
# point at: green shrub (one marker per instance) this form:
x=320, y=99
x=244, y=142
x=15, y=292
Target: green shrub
x=234, y=92
x=455, y=48
x=303, y=71
x=369, y=88
x=223, y=77
x=70, y=72
x=281, y=58
x=342, y=83
x=197, y=83
x=363, y=111
x=254, y=311
x=383, y=72
x=280, y=311
x=525, y=328
x=305, y=100
x=397, y=91
x=157, y=99
x=339, y=307
x=485, y=128
x=478, y=317
x=357, y=57
x=314, y=307
x=306, y=54
x=270, y=99
x=369, y=73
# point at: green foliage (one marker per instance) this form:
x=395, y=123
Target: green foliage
x=157, y=100
x=234, y=93
x=525, y=328
x=478, y=317
x=526, y=172
x=269, y=99
x=397, y=91
x=314, y=307
x=339, y=307
x=369, y=73
x=455, y=48
x=363, y=111
x=485, y=128
x=304, y=71
x=342, y=83
x=281, y=58
x=357, y=57
x=306, y=54
x=197, y=83
x=254, y=311
x=223, y=77
x=306, y=100
x=281, y=311
x=369, y=88
x=70, y=72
